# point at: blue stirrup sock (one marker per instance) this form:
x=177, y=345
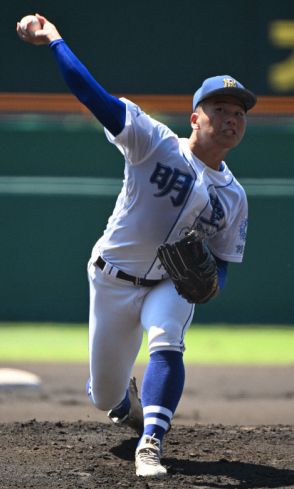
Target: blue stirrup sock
x=162, y=388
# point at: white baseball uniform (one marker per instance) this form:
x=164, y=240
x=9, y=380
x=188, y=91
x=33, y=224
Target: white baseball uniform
x=167, y=191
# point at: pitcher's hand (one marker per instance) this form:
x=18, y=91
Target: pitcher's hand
x=45, y=35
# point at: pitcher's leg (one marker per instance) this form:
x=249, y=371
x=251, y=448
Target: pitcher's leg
x=166, y=317
x=115, y=337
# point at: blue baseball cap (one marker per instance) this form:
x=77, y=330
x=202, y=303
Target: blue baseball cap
x=224, y=85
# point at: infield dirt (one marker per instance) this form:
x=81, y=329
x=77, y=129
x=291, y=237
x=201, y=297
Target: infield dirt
x=66, y=445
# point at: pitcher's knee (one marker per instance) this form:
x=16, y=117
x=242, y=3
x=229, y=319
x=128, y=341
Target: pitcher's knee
x=104, y=398
x=100, y=403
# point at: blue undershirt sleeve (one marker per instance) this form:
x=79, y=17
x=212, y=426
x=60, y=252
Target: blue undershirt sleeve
x=222, y=271
x=109, y=110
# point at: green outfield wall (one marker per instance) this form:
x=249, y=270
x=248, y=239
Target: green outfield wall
x=58, y=184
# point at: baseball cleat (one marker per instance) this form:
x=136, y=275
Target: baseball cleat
x=134, y=419
x=147, y=458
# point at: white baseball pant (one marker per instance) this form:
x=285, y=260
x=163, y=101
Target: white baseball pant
x=119, y=313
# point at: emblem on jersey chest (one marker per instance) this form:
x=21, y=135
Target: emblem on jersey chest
x=171, y=181
x=212, y=219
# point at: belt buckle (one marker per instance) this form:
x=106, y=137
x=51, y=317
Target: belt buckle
x=137, y=281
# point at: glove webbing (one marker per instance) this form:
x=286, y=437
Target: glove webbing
x=167, y=259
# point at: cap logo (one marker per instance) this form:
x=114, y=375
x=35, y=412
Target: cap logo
x=229, y=82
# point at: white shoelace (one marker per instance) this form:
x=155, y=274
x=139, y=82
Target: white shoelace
x=149, y=456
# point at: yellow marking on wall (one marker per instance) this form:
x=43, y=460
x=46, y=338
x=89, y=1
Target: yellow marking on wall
x=281, y=33
x=281, y=75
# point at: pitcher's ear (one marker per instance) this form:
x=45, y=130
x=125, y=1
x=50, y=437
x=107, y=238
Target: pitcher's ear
x=194, y=120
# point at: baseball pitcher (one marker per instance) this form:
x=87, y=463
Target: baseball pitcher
x=180, y=218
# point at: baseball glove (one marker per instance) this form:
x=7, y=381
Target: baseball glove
x=191, y=267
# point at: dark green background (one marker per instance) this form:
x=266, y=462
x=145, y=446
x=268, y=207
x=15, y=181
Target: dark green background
x=137, y=47
x=162, y=46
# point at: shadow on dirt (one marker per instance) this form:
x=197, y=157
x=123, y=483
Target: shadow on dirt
x=126, y=449
x=222, y=474
x=248, y=475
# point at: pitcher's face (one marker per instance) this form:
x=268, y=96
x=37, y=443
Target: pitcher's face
x=220, y=121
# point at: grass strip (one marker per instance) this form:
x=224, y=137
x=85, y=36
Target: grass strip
x=205, y=344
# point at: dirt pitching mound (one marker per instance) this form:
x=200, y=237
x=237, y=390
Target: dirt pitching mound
x=83, y=454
